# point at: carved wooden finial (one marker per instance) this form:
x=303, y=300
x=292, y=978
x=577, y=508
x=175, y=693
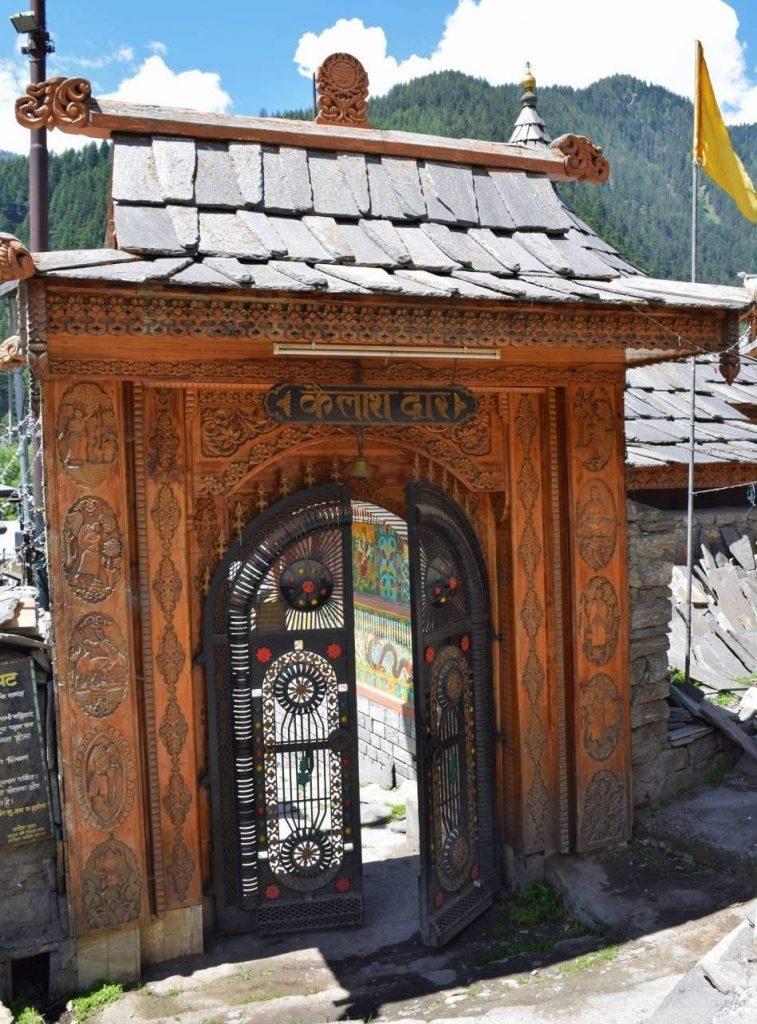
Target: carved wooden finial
x=11, y=356
x=15, y=259
x=342, y=85
x=56, y=103
x=730, y=365
x=583, y=160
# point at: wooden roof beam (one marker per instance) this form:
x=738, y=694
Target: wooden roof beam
x=68, y=105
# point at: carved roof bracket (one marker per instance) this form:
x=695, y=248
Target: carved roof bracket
x=583, y=160
x=15, y=259
x=56, y=103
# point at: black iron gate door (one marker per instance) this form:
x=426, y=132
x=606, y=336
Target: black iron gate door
x=452, y=675
x=282, y=722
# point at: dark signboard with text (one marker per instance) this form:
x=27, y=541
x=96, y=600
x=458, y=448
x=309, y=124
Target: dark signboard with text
x=24, y=800
x=359, y=405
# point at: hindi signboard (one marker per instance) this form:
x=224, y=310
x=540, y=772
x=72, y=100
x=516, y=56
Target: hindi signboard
x=24, y=797
x=363, y=405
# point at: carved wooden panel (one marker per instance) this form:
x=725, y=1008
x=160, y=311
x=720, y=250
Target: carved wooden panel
x=89, y=513
x=167, y=592
x=533, y=698
x=600, y=706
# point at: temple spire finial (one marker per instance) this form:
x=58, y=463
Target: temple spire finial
x=529, y=129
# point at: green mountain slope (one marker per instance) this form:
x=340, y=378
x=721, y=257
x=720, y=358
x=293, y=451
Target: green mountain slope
x=645, y=209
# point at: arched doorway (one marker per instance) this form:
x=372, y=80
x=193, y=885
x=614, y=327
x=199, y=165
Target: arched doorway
x=282, y=717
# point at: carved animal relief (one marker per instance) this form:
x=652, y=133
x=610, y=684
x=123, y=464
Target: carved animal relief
x=92, y=549
x=86, y=433
x=105, y=778
x=98, y=662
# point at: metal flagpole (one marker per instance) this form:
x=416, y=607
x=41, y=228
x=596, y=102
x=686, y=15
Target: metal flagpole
x=692, y=392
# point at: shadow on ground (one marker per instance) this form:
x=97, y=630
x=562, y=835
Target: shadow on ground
x=651, y=886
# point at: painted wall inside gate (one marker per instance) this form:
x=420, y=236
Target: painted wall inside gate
x=383, y=649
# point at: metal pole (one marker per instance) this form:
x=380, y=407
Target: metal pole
x=39, y=237
x=692, y=436
x=39, y=241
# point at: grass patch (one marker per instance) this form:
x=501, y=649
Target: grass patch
x=588, y=960
x=27, y=1014
x=84, y=1007
x=717, y=773
x=725, y=699
x=530, y=922
x=397, y=812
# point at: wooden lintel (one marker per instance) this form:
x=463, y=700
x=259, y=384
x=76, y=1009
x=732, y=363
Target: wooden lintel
x=68, y=105
x=674, y=476
x=108, y=118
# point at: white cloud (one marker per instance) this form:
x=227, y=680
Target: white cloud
x=572, y=44
x=155, y=46
x=152, y=82
x=155, y=83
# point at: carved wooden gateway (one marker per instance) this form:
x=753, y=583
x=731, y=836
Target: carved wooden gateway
x=294, y=320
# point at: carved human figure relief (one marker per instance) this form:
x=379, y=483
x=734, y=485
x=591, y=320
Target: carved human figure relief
x=599, y=620
x=92, y=549
x=595, y=427
x=86, y=433
x=105, y=778
x=601, y=716
x=99, y=666
x=596, y=523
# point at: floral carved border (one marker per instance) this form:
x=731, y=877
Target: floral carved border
x=163, y=467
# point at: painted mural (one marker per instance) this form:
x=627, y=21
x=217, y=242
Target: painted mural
x=383, y=644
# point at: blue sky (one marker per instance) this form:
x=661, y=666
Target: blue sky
x=178, y=53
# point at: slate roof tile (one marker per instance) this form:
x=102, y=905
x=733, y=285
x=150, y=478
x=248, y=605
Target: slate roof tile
x=531, y=201
x=201, y=274
x=175, y=162
x=385, y=235
x=449, y=195
x=186, y=224
x=135, y=176
x=131, y=273
x=424, y=254
x=146, y=229
x=366, y=250
x=332, y=194
x=262, y=227
x=247, y=163
x=304, y=274
x=225, y=234
x=300, y=241
x=215, y=181
x=463, y=249
x=331, y=237
x=492, y=210
x=286, y=181
x=352, y=166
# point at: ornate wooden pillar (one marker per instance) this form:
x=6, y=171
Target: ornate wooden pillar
x=91, y=553
x=534, y=753
x=600, y=700
x=166, y=597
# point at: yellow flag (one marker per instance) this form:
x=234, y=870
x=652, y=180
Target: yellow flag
x=712, y=145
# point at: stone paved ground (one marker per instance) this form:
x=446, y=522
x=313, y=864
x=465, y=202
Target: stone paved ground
x=662, y=912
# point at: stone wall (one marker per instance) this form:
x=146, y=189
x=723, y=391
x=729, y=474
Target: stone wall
x=657, y=539
x=386, y=743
